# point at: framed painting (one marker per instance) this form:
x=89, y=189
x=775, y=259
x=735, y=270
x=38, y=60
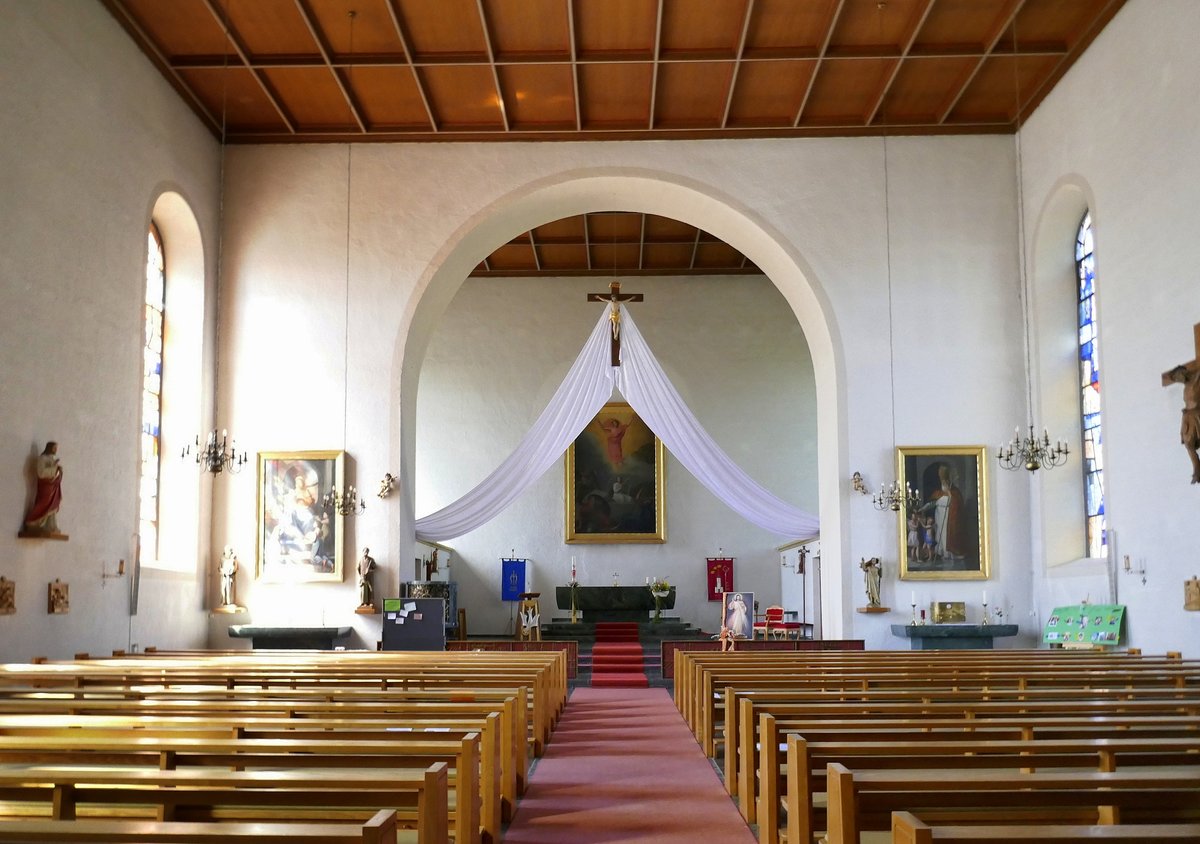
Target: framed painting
x=297, y=540
x=945, y=536
x=615, y=480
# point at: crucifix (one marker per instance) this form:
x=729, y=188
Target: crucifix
x=1188, y=374
x=615, y=297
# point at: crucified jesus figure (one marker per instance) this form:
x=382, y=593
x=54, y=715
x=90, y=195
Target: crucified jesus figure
x=1188, y=374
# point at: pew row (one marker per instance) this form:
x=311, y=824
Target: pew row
x=907, y=828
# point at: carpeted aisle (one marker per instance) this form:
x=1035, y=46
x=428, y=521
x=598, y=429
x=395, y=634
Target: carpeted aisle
x=623, y=767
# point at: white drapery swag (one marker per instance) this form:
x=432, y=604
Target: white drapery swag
x=585, y=390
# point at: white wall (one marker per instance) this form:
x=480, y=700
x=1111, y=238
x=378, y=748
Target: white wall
x=1121, y=132
x=415, y=210
x=93, y=136
x=733, y=350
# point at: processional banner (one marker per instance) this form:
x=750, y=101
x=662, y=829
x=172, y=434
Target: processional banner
x=720, y=577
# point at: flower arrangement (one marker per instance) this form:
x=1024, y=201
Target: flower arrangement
x=659, y=588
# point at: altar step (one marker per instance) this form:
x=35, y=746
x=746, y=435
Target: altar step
x=669, y=627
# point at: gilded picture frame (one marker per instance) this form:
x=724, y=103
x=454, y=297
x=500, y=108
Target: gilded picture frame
x=298, y=542
x=615, y=480
x=945, y=536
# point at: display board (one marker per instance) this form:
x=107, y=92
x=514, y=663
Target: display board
x=414, y=624
x=1085, y=625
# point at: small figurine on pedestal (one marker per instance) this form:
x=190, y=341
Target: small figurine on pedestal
x=366, y=585
x=872, y=576
x=42, y=518
x=228, y=571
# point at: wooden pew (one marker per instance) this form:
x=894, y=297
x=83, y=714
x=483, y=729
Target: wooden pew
x=807, y=763
x=907, y=828
x=380, y=829
x=279, y=757
x=862, y=801
x=494, y=788
x=230, y=796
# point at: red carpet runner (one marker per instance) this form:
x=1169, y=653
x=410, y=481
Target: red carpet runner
x=617, y=656
x=623, y=768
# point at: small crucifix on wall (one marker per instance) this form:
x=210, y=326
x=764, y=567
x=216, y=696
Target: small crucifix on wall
x=615, y=297
x=1188, y=374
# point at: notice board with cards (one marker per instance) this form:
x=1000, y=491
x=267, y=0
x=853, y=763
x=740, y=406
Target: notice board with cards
x=414, y=624
x=1085, y=626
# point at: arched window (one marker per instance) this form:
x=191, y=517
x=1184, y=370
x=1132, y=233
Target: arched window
x=152, y=370
x=1089, y=379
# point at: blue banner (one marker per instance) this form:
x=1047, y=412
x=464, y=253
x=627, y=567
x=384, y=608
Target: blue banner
x=512, y=579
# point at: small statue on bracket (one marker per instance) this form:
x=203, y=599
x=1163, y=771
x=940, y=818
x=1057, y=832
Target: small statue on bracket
x=872, y=576
x=366, y=584
x=42, y=518
x=228, y=570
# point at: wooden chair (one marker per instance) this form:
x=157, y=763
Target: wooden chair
x=772, y=623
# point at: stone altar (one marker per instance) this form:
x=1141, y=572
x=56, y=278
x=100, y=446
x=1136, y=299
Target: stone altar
x=952, y=637
x=289, y=638
x=612, y=603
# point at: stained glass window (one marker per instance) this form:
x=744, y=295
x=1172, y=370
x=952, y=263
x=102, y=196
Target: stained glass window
x=152, y=369
x=1089, y=381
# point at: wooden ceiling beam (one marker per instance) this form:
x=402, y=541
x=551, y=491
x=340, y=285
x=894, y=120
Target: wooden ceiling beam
x=812, y=80
x=654, y=66
x=904, y=50
x=737, y=64
x=244, y=55
x=326, y=55
x=491, y=54
x=1005, y=22
x=405, y=42
x=165, y=66
x=574, y=63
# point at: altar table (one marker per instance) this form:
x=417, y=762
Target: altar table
x=289, y=638
x=612, y=603
x=952, y=637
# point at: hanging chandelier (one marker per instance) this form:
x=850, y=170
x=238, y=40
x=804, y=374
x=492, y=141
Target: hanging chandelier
x=1032, y=452
x=217, y=454
x=893, y=497
x=346, y=503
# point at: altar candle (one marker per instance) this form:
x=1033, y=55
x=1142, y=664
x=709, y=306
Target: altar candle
x=914, y=597
x=985, y=596
x=647, y=581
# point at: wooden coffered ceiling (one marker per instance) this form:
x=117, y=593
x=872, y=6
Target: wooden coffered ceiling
x=269, y=71
x=277, y=71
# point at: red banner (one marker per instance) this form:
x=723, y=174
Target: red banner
x=720, y=577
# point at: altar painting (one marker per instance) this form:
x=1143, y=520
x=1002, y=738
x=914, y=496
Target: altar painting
x=614, y=480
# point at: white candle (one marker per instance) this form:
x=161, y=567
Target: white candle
x=985, y=596
x=914, y=597
x=647, y=581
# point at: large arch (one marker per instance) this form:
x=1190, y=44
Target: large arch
x=627, y=189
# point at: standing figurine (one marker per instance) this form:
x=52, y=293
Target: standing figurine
x=872, y=575
x=366, y=573
x=229, y=568
x=42, y=518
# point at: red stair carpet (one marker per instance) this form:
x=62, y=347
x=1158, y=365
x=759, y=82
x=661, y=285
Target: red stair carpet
x=622, y=768
x=617, y=656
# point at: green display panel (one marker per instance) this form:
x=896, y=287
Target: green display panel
x=1085, y=625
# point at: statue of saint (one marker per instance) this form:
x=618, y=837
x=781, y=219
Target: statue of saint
x=1191, y=594
x=42, y=518
x=366, y=574
x=872, y=575
x=229, y=568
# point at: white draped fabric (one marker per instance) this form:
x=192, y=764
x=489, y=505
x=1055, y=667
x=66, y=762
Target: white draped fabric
x=585, y=390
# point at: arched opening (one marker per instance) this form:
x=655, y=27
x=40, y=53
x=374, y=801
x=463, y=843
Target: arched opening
x=1055, y=367
x=693, y=203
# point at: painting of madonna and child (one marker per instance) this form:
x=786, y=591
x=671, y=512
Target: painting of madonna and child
x=945, y=536
x=614, y=479
x=298, y=539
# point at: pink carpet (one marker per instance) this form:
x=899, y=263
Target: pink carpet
x=623, y=768
x=617, y=656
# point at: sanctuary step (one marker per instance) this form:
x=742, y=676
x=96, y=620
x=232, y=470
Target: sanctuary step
x=617, y=656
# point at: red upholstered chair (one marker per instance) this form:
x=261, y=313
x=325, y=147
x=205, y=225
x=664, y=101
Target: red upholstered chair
x=772, y=623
